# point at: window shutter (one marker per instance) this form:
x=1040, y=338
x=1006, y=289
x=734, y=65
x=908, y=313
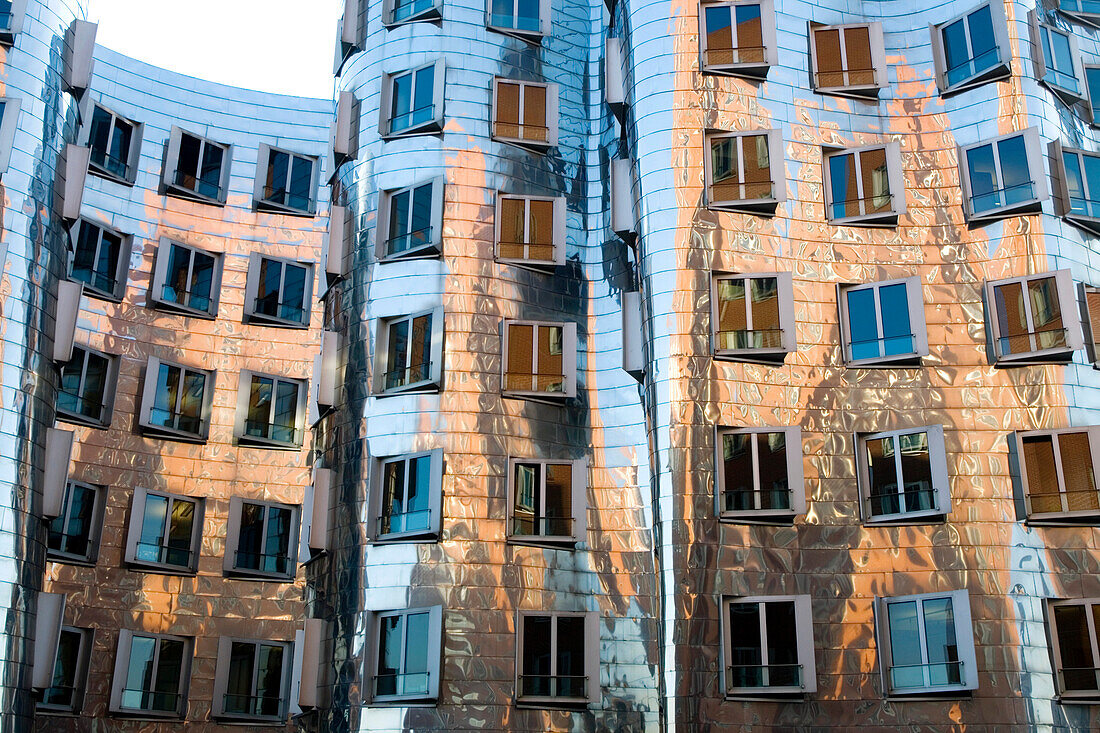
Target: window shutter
x=435, y=496
x=308, y=644
x=345, y=128
x=8, y=125
x=435, y=649
x=569, y=357
x=72, y=184
x=633, y=356
x=804, y=638
x=937, y=57
x=1059, y=188
x=79, y=45
x=592, y=646
x=937, y=456
x=326, y=379
x=552, y=114
x=69, y=293
x=622, y=197
x=1067, y=302
x=579, y=490
x=232, y=534
x=789, y=337
x=795, y=478
x=437, y=352
x=315, y=513
x=335, y=244
x=1090, y=297
x=263, y=163
x=1038, y=58
x=914, y=291
x=613, y=79
x=221, y=674
x=59, y=448
x=47, y=632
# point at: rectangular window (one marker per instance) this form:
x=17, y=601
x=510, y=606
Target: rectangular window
x=1058, y=474
x=752, y=316
x=528, y=19
x=165, y=531
x=759, y=474
x=525, y=113
x=903, y=475
x=412, y=101
x=86, y=392
x=285, y=181
x=1057, y=59
x=540, y=359
x=558, y=658
x=100, y=260
x=1076, y=175
x=278, y=292
x=1003, y=176
x=151, y=676
x=115, y=144
x=177, y=401
x=12, y=13
x=397, y=12
x=1073, y=639
x=1034, y=318
x=410, y=221
x=531, y=230
x=70, y=671
x=406, y=656
x=768, y=646
x=883, y=323
x=971, y=49
x=271, y=411
x=740, y=174
x=737, y=37
x=252, y=679
x=186, y=279
x=9, y=118
x=865, y=186
x=1086, y=10
x=409, y=352
x=1092, y=86
x=927, y=643
x=261, y=541
x=848, y=59
x=406, y=498
x=547, y=500
x=197, y=168
x=74, y=533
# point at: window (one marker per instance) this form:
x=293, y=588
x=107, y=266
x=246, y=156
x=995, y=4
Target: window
x=531, y=230
x=903, y=475
x=1073, y=639
x=1057, y=471
x=410, y=221
x=1003, y=176
x=286, y=182
x=151, y=676
x=848, y=59
x=1076, y=175
x=1033, y=318
x=12, y=13
x=409, y=353
x=9, y=118
x=739, y=171
x=412, y=101
x=738, y=37
x=406, y=497
x=971, y=49
x=1092, y=86
x=528, y=19
x=70, y=671
x=165, y=531
x=883, y=323
x=525, y=113
x=768, y=646
x=408, y=11
x=115, y=144
x=186, y=279
x=86, y=392
x=926, y=643
x=74, y=533
x=546, y=501
x=278, y=292
x=197, y=168
x=1085, y=10
x=1057, y=59
x=177, y=401
x=759, y=474
x=270, y=410
x=100, y=260
x=261, y=540
x=558, y=658
x=405, y=664
x=540, y=359
x=865, y=186
x=252, y=679
x=752, y=316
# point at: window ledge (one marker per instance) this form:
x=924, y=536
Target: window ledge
x=153, y=431
x=145, y=715
x=759, y=207
x=1070, y=698
x=260, y=576
x=543, y=266
x=908, y=519
x=569, y=703
x=867, y=93
x=185, y=193
x=753, y=356
x=534, y=146
x=270, y=207
x=78, y=419
x=1088, y=223
x=1032, y=358
x=427, y=15
x=253, y=319
x=426, y=387
x=876, y=221
x=750, y=71
x=141, y=566
x=99, y=172
x=428, y=536
x=1068, y=96
x=182, y=310
x=906, y=361
x=400, y=701
x=93, y=292
x=431, y=250
x=549, y=398
x=533, y=37
x=1031, y=206
x=766, y=695
x=778, y=518
x=55, y=556
x=553, y=543
x=950, y=693
x=1000, y=72
x=253, y=442
x=265, y=720
x=1064, y=519
x=434, y=127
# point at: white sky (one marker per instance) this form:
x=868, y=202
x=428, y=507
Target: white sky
x=270, y=45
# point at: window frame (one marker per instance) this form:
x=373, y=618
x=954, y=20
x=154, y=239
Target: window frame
x=796, y=482
x=788, y=327
x=95, y=526
x=878, y=60
x=804, y=647
x=1042, y=66
x=263, y=164
x=1066, y=515
x=1063, y=694
x=433, y=248
x=148, y=396
x=80, y=677
x=551, y=121
x=252, y=289
x=433, y=12
x=221, y=679
x=9, y=122
x=15, y=26
x=895, y=175
x=1036, y=170
x=591, y=659
x=434, y=381
x=1067, y=306
x=914, y=293
x=160, y=279
x=1090, y=19
x=998, y=72
x=122, y=667
x=569, y=360
x=545, y=23
x=137, y=519
x=244, y=392
x=937, y=461
x=964, y=636
x=349, y=35
x=579, y=483
x=434, y=655
x=1063, y=203
x=232, y=540
x=133, y=160
x=428, y=127
x=110, y=387
x=435, y=498
x=122, y=269
x=756, y=70
x=171, y=166
x=558, y=231
x=776, y=156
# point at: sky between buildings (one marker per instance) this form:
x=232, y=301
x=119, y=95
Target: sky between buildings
x=283, y=46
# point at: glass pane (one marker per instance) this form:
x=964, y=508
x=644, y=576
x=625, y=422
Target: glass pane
x=293, y=301
x=1014, y=171
x=985, y=193
x=277, y=540
x=767, y=332
x=1046, y=315
x=916, y=470
x=897, y=332
x=857, y=46
x=284, y=424
x=783, y=668
x=1014, y=337
x=136, y=694
x=527, y=501
x=944, y=667
x=398, y=237
x=1060, y=70
x=551, y=366
x=398, y=356
x=537, y=655
x=1078, y=472
x=250, y=537
x=512, y=228
x=420, y=354
x=1090, y=205
x=418, y=514
x=389, y=656
x=169, y=673
x=187, y=166
x=541, y=230
x=423, y=109
x=95, y=261
x=71, y=533
x=724, y=173
x=238, y=689
x=392, y=517
x=842, y=186
x=571, y=645
x=750, y=35
x=191, y=402
x=733, y=325
x=420, y=229
x=829, y=58
x=983, y=41
x=276, y=189
x=534, y=113
x=1075, y=648
x=63, y=683
x=202, y=279
x=559, y=500
x=401, y=104
x=906, y=660
x=527, y=15
x=416, y=653
x=771, y=451
x=257, y=422
x=746, y=653
x=1092, y=81
x=1042, y=474
x=151, y=541
x=269, y=679
x=863, y=333
x=211, y=182
x=882, y=476
x=520, y=357
x=180, y=531
x=719, y=29
x=758, y=177
x=301, y=179
x=740, y=491
x=876, y=182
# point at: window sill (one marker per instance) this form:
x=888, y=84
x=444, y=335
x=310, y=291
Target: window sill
x=41, y=708
x=245, y=441
x=427, y=15
x=867, y=93
x=432, y=250
x=1000, y=72
x=755, y=71
x=553, y=543
x=427, y=536
x=549, y=398
x=175, y=191
x=253, y=319
x=759, y=516
x=772, y=357
x=532, y=146
x=765, y=694
x=1031, y=206
x=1070, y=698
x=875, y=221
x=758, y=207
x=533, y=37
x=908, y=519
x=142, y=566
x=1088, y=223
x=424, y=387
x=265, y=720
x=270, y=207
x=145, y=714
x=93, y=292
x=955, y=692
x=183, y=310
x=400, y=701
x=570, y=703
x=153, y=431
x=53, y=556
x=1032, y=358
x=1068, y=96
x=259, y=576
x=434, y=127
x=106, y=175
x=1064, y=519
x=78, y=419
x=903, y=361
x=536, y=265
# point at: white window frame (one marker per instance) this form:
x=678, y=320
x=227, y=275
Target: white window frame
x=937, y=461
x=80, y=677
x=777, y=168
x=435, y=498
x=149, y=388
x=9, y=123
x=895, y=176
x=84, y=139
x=94, y=530
x=122, y=666
x=997, y=72
x=160, y=278
x=107, y=403
x=137, y=517
x=263, y=164
x=804, y=646
x=878, y=61
x=422, y=10
x=914, y=292
x=15, y=26
x=788, y=337
x=232, y=540
x=568, y=357
x=1067, y=306
x=350, y=31
x=382, y=348
x=1043, y=64
x=431, y=126
x=1072, y=696
x=551, y=121
x=751, y=69
x=122, y=270
x=796, y=486
x=1035, y=168
x=252, y=290
x=434, y=648
x=1066, y=515
x=1063, y=204
x=532, y=36
x=171, y=166
x=591, y=659
x=578, y=498
x=964, y=637
x=244, y=392
x=221, y=678
x=558, y=232
x=434, y=246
